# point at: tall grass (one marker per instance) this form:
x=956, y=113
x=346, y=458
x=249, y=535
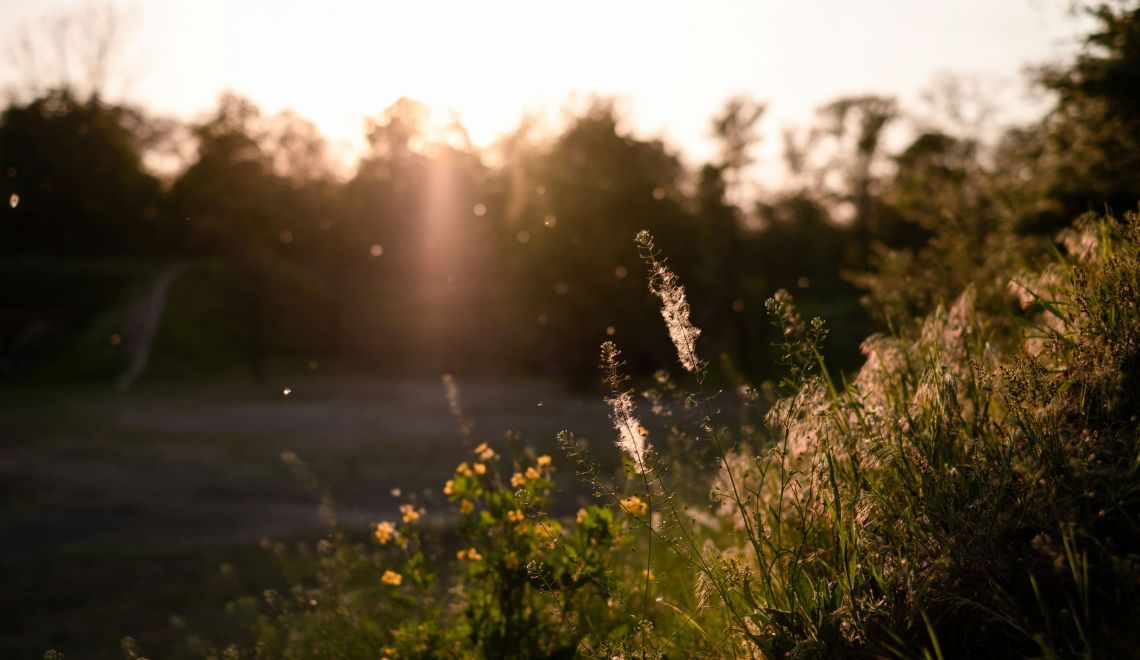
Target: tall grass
x=969, y=492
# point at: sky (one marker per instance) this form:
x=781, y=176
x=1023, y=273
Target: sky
x=672, y=65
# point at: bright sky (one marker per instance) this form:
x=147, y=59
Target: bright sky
x=673, y=64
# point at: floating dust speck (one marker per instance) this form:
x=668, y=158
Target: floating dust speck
x=659, y=194
x=479, y=210
x=14, y=200
x=523, y=236
x=738, y=305
x=286, y=236
x=561, y=288
x=611, y=331
x=287, y=391
x=620, y=272
x=376, y=250
x=549, y=221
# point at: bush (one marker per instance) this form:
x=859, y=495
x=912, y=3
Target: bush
x=968, y=479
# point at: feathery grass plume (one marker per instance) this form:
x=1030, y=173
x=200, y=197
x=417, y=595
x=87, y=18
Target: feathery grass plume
x=462, y=422
x=674, y=305
x=632, y=437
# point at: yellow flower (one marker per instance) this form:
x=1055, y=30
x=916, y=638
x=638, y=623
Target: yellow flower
x=582, y=515
x=387, y=653
x=448, y=487
x=470, y=554
x=466, y=506
x=385, y=531
x=392, y=578
x=480, y=468
x=532, y=473
x=516, y=516
x=481, y=448
x=517, y=480
x=410, y=513
x=634, y=506
x=522, y=528
x=463, y=469
x=544, y=460
x=511, y=560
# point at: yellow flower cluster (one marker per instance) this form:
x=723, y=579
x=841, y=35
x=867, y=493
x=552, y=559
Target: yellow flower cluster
x=392, y=578
x=484, y=452
x=385, y=532
x=480, y=468
x=470, y=554
x=410, y=513
x=448, y=487
x=532, y=473
x=464, y=469
x=516, y=516
x=582, y=515
x=517, y=480
x=544, y=461
x=634, y=505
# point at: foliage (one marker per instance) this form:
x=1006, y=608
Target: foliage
x=961, y=481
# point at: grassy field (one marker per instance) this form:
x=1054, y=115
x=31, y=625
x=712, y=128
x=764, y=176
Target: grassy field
x=140, y=513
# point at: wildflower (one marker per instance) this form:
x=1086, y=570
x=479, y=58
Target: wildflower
x=392, y=578
x=544, y=461
x=449, y=487
x=582, y=515
x=484, y=452
x=517, y=480
x=466, y=506
x=516, y=516
x=480, y=468
x=470, y=554
x=384, y=532
x=511, y=560
x=532, y=473
x=634, y=505
x=463, y=469
x=481, y=448
x=410, y=513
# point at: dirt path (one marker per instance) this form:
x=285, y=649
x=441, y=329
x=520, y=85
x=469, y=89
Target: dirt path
x=143, y=322
x=201, y=467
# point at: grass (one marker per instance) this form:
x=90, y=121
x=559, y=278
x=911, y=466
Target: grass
x=978, y=473
x=966, y=478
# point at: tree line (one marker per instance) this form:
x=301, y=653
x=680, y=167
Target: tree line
x=432, y=254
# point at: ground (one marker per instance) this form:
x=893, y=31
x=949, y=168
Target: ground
x=138, y=513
